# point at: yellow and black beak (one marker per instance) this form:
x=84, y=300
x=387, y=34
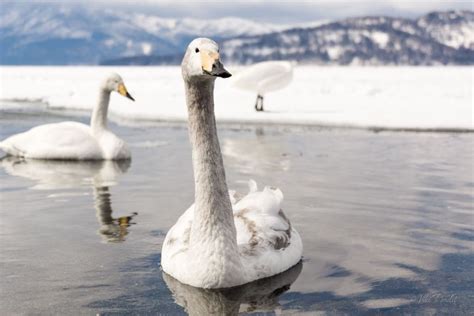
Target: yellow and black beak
x=123, y=91
x=211, y=64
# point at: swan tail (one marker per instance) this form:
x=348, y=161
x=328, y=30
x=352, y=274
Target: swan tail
x=233, y=196
x=276, y=192
x=2, y=148
x=267, y=201
x=10, y=149
x=5, y=147
x=253, y=187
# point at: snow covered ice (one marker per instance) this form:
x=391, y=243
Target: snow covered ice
x=374, y=97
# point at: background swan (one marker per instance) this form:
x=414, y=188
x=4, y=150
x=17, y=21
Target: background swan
x=73, y=140
x=264, y=77
x=223, y=240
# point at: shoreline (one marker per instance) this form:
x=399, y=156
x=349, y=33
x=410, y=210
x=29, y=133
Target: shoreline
x=377, y=99
x=228, y=123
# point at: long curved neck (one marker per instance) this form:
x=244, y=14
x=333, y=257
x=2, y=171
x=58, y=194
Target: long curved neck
x=99, y=114
x=213, y=217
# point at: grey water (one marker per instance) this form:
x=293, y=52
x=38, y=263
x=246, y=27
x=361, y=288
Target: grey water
x=386, y=220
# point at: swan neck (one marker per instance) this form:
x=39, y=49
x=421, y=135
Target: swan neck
x=99, y=113
x=213, y=217
x=102, y=205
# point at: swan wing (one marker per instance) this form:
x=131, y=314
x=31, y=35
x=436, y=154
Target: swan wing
x=274, y=81
x=65, y=140
x=268, y=243
x=265, y=76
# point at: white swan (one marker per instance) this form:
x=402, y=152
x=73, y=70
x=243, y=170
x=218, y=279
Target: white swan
x=223, y=240
x=264, y=77
x=73, y=140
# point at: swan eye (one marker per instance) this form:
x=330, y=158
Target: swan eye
x=196, y=50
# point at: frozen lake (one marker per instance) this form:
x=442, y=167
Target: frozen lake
x=424, y=98
x=386, y=220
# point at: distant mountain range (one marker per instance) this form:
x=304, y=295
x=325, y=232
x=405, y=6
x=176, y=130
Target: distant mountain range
x=58, y=35
x=436, y=38
x=55, y=34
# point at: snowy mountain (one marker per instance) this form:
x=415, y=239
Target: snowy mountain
x=74, y=34
x=436, y=38
x=452, y=28
x=41, y=34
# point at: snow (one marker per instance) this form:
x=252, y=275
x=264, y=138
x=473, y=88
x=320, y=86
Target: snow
x=335, y=52
x=109, y=42
x=147, y=48
x=376, y=97
x=455, y=36
x=380, y=38
x=263, y=51
x=455, y=29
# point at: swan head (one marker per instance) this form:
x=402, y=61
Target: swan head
x=114, y=82
x=201, y=61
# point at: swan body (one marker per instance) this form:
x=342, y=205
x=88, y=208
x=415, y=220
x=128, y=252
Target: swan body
x=264, y=77
x=223, y=240
x=66, y=141
x=267, y=243
x=73, y=140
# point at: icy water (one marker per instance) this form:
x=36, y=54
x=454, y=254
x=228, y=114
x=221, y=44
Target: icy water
x=386, y=220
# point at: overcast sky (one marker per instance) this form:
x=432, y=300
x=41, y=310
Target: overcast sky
x=274, y=11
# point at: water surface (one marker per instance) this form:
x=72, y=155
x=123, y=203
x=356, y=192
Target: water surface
x=386, y=221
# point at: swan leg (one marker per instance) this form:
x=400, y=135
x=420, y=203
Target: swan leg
x=259, y=100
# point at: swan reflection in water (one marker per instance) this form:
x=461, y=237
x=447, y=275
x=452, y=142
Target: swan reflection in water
x=111, y=229
x=259, y=296
x=61, y=175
